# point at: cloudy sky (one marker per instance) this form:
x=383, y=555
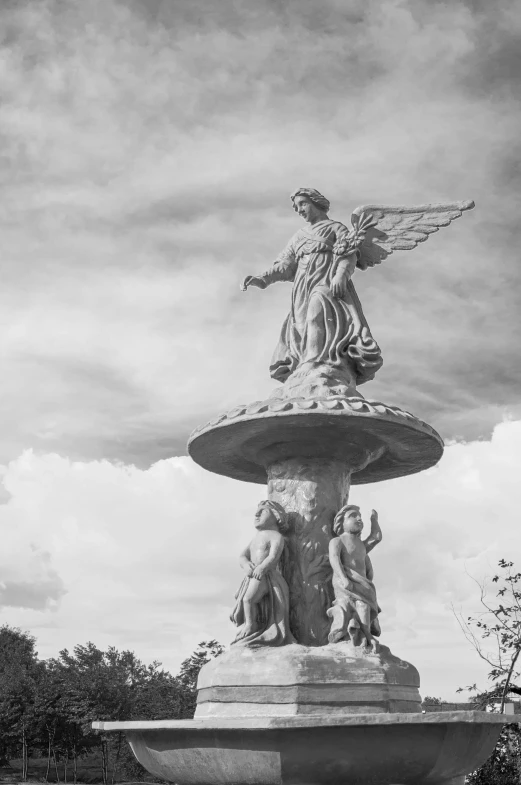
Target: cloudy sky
x=147, y=151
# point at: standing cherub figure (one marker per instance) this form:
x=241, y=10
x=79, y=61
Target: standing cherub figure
x=355, y=610
x=262, y=607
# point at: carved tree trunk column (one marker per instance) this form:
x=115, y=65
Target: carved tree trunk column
x=311, y=491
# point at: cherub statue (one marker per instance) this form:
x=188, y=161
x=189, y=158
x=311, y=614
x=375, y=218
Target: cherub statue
x=262, y=607
x=326, y=326
x=354, y=612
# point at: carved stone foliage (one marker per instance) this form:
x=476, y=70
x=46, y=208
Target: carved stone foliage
x=311, y=491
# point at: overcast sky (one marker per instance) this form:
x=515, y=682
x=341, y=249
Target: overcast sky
x=147, y=153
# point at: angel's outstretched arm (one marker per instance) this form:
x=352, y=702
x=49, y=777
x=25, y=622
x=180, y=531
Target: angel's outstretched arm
x=283, y=269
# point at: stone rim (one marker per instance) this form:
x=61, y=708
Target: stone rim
x=244, y=441
x=313, y=721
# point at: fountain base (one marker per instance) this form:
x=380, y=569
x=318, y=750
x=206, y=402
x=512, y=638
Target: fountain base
x=359, y=749
x=301, y=680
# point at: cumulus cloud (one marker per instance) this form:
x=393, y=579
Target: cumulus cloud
x=148, y=559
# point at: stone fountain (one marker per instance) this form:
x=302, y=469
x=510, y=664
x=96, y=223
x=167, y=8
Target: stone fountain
x=307, y=694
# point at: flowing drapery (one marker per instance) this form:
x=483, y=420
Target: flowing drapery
x=272, y=628
x=320, y=327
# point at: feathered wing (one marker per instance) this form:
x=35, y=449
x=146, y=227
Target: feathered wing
x=380, y=229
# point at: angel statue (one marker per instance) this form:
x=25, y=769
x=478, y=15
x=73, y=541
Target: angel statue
x=326, y=327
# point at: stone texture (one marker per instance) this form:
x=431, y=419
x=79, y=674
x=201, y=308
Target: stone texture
x=376, y=441
x=292, y=680
x=372, y=749
x=326, y=325
x=262, y=602
x=311, y=491
x=354, y=613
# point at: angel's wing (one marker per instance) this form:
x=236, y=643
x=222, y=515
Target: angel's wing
x=383, y=229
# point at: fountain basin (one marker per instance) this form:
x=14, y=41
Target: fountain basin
x=379, y=441
x=438, y=748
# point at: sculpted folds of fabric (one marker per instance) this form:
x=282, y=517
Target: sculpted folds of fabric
x=311, y=260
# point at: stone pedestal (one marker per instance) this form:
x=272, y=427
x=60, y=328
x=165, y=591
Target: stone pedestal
x=309, y=451
x=311, y=491
x=332, y=680
x=314, y=714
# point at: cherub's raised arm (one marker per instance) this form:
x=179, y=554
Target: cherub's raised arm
x=369, y=574
x=376, y=533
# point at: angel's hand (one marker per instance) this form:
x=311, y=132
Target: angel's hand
x=258, y=573
x=253, y=280
x=338, y=287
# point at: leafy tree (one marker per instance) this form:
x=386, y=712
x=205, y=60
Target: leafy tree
x=430, y=701
x=49, y=706
x=187, y=676
x=99, y=686
x=62, y=731
x=502, y=768
x=495, y=634
x=19, y=670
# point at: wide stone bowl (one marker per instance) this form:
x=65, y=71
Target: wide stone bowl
x=378, y=441
x=438, y=748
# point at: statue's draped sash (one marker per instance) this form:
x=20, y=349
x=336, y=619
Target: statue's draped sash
x=273, y=613
x=344, y=607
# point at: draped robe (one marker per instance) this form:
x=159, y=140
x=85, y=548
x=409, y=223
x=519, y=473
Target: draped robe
x=344, y=609
x=272, y=627
x=310, y=260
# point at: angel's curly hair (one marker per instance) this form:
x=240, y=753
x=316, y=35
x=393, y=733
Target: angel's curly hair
x=338, y=523
x=278, y=512
x=314, y=196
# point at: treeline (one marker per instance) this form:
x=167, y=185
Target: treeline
x=47, y=706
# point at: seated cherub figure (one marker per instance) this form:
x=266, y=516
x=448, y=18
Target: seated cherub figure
x=354, y=612
x=262, y=608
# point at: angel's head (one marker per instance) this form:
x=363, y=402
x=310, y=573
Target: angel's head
x=310, y=204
